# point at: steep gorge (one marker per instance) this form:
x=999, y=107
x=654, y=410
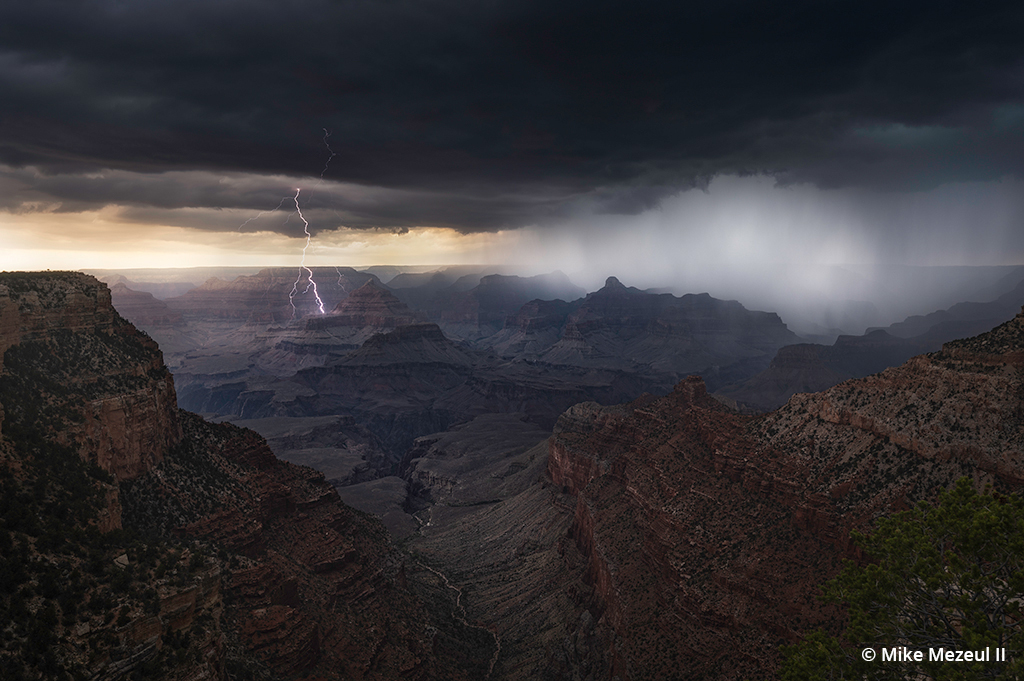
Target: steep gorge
x=706, y=533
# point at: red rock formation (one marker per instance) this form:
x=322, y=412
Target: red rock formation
x=192, y=612
x=78, y=379
x=32, y=305
x=708, y=532
x=314, y=586
x=370, y=305
x=318, y=592
x=113, y=396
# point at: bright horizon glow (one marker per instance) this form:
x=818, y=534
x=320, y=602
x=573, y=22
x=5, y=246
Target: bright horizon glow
x=100, y=240
x=738, y=223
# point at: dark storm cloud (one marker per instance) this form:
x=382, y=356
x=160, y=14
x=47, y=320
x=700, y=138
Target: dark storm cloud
x=481, y=115
x=233, y=200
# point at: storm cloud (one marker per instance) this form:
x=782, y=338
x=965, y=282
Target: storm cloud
x=482, y=116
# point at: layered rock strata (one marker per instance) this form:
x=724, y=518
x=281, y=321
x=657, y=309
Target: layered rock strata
x=232, y=564
x=660, y=336
x=89, y=377
x=316, y=587
x=86, y=403
x=706, y=533
x=370, y=306
x=414, y=381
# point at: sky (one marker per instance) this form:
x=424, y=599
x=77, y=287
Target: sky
x=646, y=140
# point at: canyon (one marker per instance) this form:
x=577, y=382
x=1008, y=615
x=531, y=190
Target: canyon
x=199, y=553
x=688, y=541
x=810, y=367
x=557, y=500
x=434, y=352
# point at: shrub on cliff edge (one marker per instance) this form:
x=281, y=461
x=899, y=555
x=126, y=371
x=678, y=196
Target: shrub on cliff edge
x=947, y=576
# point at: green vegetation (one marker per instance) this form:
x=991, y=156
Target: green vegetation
x=947, y=576
x=59, y=573
x=70, y=594
x=24, y=282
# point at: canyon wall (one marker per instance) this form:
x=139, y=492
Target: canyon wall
x=83, y=374
x=314, y=586
x=707, y=533
x=228, y=564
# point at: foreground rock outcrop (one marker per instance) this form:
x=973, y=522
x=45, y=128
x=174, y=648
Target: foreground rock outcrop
x=83, y=374
x=137, y=541
x=706, y=533
x=85, y=404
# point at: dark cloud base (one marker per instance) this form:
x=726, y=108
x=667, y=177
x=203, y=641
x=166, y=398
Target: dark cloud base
x=498, y=114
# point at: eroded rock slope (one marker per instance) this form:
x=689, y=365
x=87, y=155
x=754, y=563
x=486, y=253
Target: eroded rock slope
x=140, y=541
x=706, y=533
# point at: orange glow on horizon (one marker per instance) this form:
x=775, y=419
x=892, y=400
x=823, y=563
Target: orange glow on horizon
x=101, y=240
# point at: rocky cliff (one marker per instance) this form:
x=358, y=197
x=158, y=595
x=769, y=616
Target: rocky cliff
x=534, y=328
x=706, y=532
x=413, y=381
x=86, y=403
x=313, y=586
x=371, y=306
x=83, y=373
x=137, y=541
x=660, y=336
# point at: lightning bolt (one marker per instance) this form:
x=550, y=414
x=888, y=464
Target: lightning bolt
x=327, y=163
x=305, y=228
x=262, y=213
x=327, y=134
x=302, y=265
